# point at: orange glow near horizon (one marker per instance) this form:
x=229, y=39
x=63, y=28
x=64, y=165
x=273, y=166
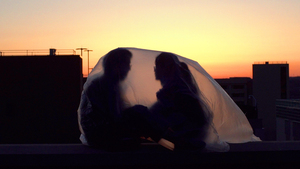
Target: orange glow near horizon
x=225, y=38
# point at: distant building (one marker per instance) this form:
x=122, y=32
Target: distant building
x=240, y=91
x=270, y=82
x=237, y=88
x=294, y=86
x=288, y=119
x=39, y=96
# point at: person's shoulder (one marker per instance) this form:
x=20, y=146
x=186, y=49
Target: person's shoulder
x=96, y=81
x=94, y=86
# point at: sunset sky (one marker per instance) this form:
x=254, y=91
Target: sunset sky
x=224, y=37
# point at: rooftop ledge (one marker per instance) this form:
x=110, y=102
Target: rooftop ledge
x=150, y=155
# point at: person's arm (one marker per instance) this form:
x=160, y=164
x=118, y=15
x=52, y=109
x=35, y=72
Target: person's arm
x=190, y=107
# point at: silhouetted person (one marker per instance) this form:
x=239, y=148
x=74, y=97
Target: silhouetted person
x=179, y=105
x=102, y=119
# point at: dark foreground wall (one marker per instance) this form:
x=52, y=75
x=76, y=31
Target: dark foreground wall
x=254, y=155
x=39, y=97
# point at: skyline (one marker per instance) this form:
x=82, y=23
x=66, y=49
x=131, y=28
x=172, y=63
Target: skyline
x=225, y=38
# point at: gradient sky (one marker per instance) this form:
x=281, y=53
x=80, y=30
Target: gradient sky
x=224, y=37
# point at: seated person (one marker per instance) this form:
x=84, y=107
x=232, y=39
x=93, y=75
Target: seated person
x=101, y=118
x=179, y=104
x=104, y=120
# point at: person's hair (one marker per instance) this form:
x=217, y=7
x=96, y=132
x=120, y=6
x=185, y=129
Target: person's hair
x=168, y=65
x=115, y=60
x=188, y=77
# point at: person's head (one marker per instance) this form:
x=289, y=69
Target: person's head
x=117, y=64
x=167, y=66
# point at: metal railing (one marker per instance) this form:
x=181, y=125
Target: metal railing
x=270, y=62
x=36, y=52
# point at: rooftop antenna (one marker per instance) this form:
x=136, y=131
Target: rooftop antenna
x=88, y=51
x=82, y=49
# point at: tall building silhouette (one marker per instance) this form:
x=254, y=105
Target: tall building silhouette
x=270, y=82
x=39, y=97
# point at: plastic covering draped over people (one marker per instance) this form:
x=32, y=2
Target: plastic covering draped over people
x=140, y=86
x=104, y=120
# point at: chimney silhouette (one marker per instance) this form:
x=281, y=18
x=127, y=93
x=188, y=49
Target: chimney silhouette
x=52, y=52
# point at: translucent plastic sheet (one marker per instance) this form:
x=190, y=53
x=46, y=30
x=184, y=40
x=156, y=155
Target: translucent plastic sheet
x=140, y=87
